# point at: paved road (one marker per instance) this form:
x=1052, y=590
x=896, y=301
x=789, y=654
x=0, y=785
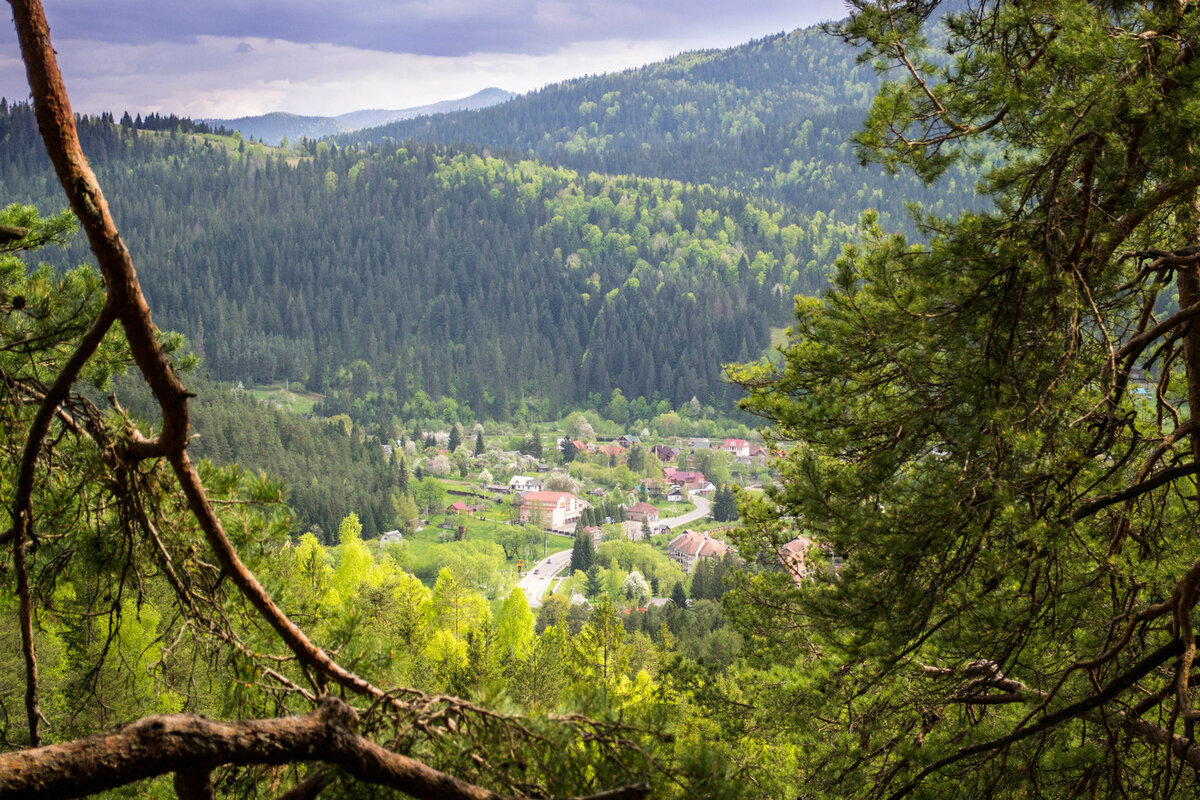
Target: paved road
x=702, y=506
x=538, y=579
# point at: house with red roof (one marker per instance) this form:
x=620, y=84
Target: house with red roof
x=738, y=448
x=682, y=476
x=556, y=511
x=690, y=546
x=611, y=450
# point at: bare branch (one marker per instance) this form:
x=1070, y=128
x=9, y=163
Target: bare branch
x=158, y=745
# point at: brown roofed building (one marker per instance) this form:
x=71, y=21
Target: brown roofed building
x=690, y=546
x=642, y=512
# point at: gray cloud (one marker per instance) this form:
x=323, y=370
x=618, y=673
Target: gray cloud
x=222, y=58
x=426, y=27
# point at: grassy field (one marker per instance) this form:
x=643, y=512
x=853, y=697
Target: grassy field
x=287, y=399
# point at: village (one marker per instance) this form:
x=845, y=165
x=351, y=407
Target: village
x=649, y=510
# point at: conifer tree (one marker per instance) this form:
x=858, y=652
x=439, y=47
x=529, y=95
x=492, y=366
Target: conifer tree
x=995, y=427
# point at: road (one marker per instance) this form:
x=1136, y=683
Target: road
x=538, y=580
x=701, y=511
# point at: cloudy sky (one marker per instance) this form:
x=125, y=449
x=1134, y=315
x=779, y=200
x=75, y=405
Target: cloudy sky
x=229, y=58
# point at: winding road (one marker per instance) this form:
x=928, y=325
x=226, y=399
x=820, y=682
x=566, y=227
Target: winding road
x=538, y=580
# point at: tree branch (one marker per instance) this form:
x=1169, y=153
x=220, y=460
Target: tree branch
x=1130, y=492
x=158, y=745
x=57, y=125
x=1115, y=687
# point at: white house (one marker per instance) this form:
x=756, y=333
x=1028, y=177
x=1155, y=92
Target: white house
x=738, y=448
x=524, y=483
x=690, y=546
x=558, y=511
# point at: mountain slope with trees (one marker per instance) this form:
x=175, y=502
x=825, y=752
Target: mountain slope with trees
x=772, y=118
x=402, y=273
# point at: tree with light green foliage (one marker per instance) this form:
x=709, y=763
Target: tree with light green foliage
x=314, y=567
x=355, y=565
x=456, y=606
x=544, y=676
x=602, y=654
x=514, y=628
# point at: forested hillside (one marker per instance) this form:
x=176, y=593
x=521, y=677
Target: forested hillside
x=397, y=270
x=772, y=118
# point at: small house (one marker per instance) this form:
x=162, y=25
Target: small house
x=642, y=512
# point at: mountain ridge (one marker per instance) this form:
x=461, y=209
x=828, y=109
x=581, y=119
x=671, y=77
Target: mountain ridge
x=273, y=127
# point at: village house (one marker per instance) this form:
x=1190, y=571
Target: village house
x=392, y=537
x=738, y=448
x=800, y=557
x=556, y=511
x=642, y=512
x=524, y=483
x=611, y=450
x=699, y=444
x=596, y=533
x=665, y=453
x=682, y=477
x=690, y=546
x=793, y=555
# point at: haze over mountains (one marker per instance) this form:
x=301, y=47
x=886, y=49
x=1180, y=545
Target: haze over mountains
x=273, y=128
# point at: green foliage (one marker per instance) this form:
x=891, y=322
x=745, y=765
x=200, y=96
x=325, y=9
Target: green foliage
x=679, y=595
x=595, y=584
x=768, y=118
x=583, y=555
x=456, y=606
x=514, y=628
x=600, y=647
x=988, y=426
x=724, y=507
x=588, y=283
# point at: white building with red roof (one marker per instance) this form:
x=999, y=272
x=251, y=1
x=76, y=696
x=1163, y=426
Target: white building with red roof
x=738, y=448
x=557, y=511
x=690, y=546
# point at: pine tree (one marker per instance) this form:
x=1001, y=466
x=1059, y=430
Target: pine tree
x=991, y=421
x=595, y=586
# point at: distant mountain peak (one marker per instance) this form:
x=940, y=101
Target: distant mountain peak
x=273, y=127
